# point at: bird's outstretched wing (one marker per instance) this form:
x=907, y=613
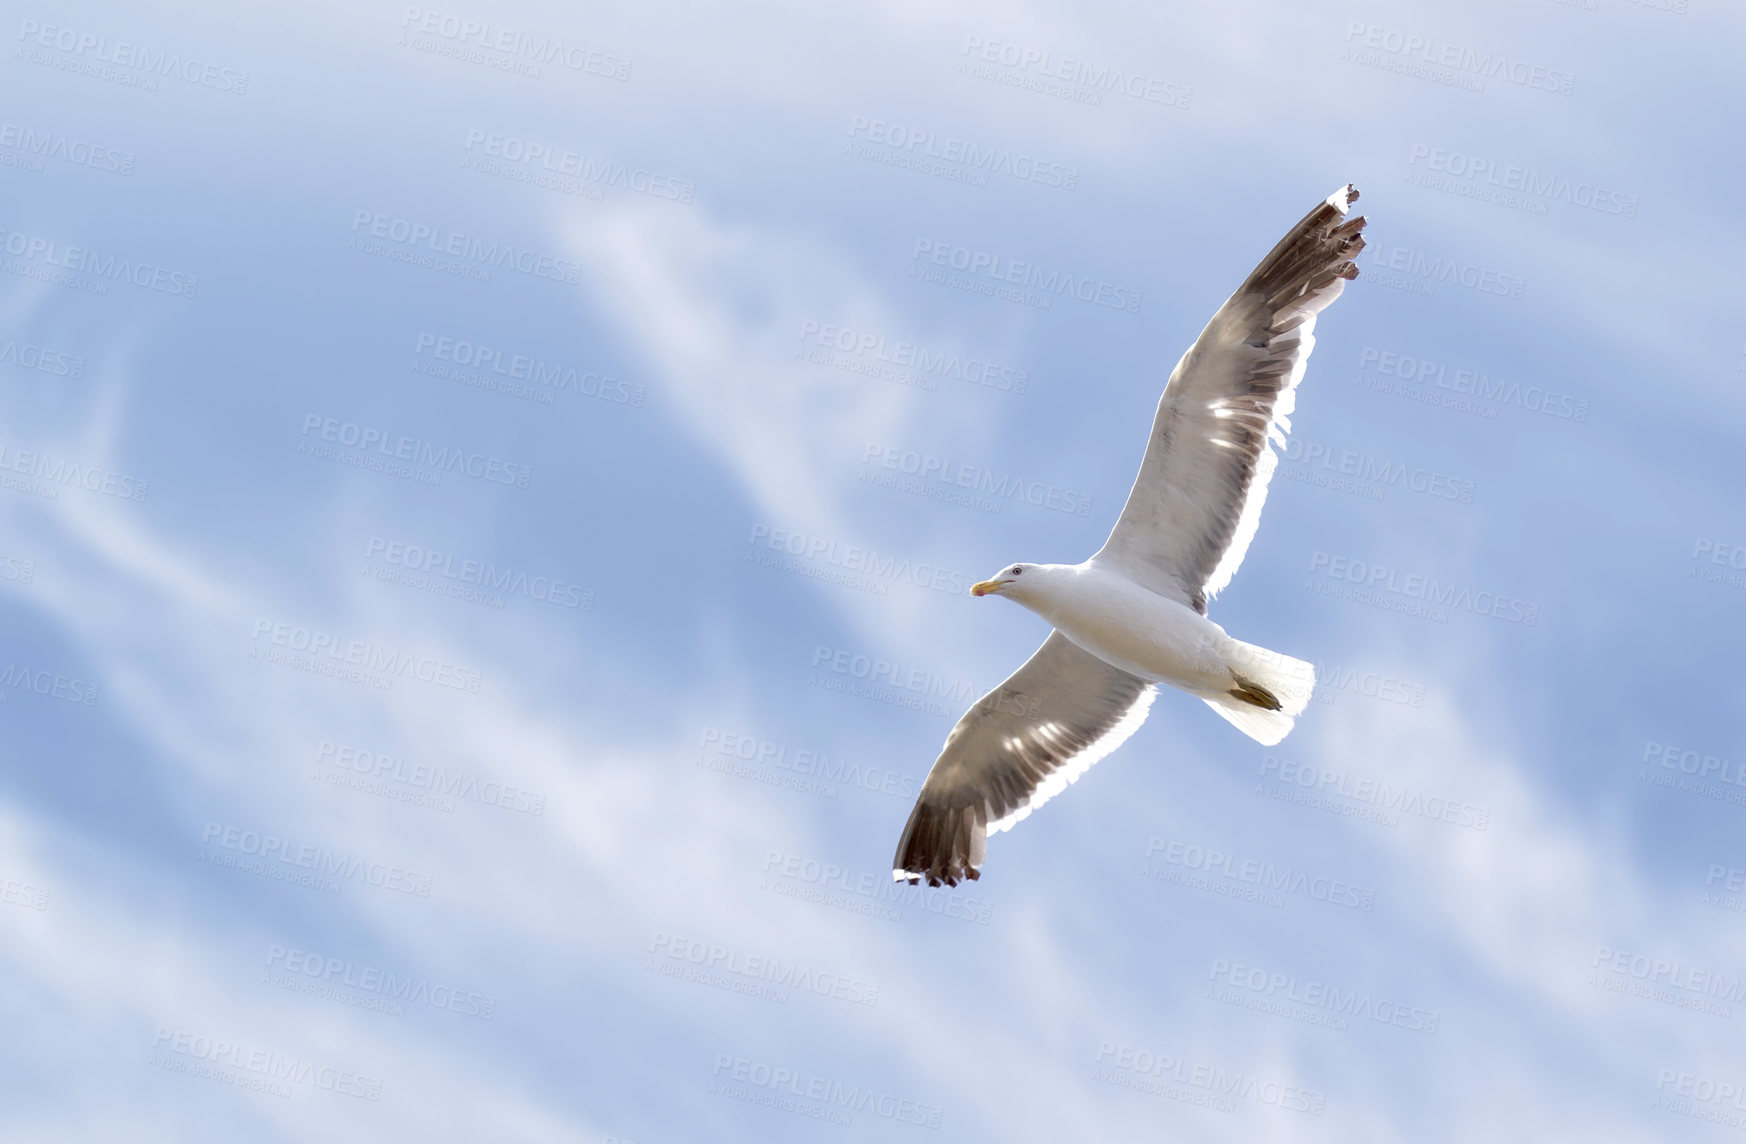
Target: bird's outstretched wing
x=1197, y=500
x=1020, y=744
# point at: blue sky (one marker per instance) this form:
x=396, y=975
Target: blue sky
x=488, y=500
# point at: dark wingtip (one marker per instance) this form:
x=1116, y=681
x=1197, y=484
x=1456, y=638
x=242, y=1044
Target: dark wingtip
x=940, y=843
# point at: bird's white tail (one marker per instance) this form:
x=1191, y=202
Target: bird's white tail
x=1269, y=692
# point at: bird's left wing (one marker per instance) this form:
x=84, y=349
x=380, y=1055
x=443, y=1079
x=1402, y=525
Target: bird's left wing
x=1019, y=745
x=1197, y=500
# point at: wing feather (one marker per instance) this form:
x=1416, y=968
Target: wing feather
x=1196, y=504
x=1021, y=744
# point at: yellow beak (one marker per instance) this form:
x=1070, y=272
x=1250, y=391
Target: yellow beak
x=987, y=586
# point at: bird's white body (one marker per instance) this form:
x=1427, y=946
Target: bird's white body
x=1161, y=640
x=1122, y=623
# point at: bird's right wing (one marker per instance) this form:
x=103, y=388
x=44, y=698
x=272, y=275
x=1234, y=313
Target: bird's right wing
x=1019, y=745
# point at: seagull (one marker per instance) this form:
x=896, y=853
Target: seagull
x=1134, y=615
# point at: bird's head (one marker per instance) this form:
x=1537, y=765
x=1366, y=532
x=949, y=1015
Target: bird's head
x=1013, y=580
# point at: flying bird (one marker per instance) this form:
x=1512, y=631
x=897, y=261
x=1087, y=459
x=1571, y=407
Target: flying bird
x=1134, y=615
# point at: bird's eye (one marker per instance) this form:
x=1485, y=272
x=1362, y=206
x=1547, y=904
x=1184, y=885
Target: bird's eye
x=1016, y=570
